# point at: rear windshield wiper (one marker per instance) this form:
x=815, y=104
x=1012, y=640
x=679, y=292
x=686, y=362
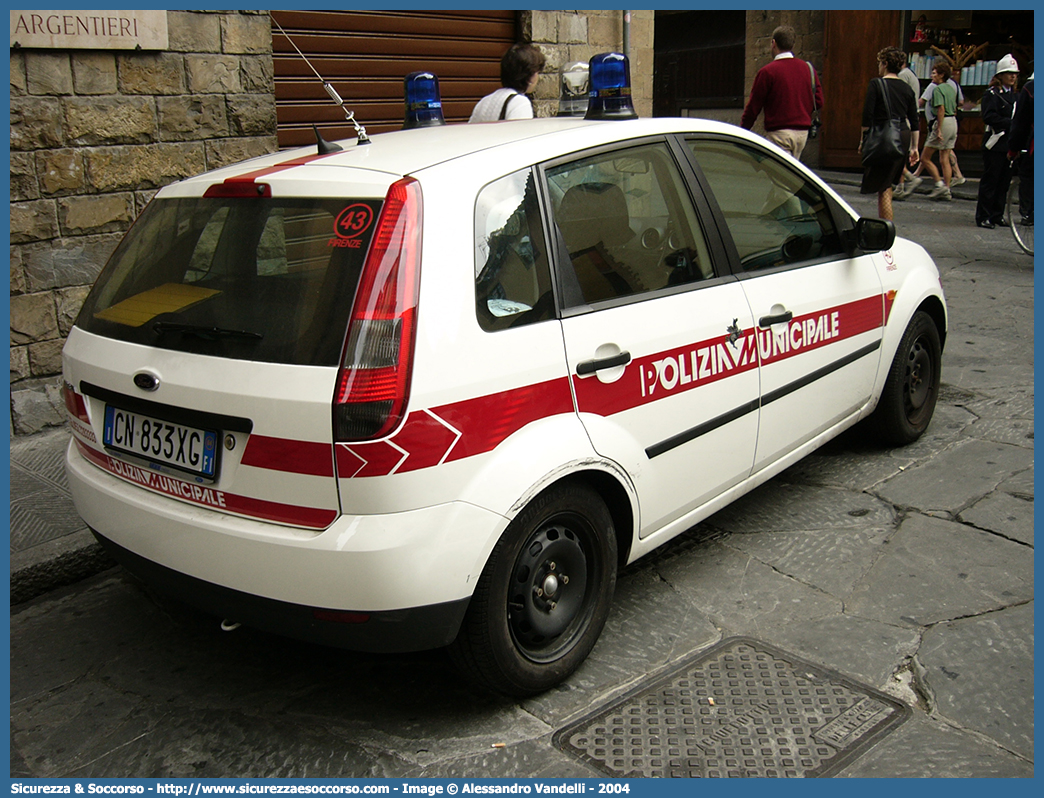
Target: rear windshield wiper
x=200, y=331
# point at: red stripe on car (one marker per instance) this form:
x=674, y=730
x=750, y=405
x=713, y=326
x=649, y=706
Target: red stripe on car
x=664, y=374
x=454, y=431
x=212, y=498
x=282, y=454
x=250, y=177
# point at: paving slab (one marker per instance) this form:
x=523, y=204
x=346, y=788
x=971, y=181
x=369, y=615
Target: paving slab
x=533, y=759
x=832, y=560
x=1017, y=431
x=980, y=373
x=743, y=596
x=1014, y=402
x=779, y=506
x=1004, y=514
x=853, y=467
x=854, y=461
x=979, y=673
x=927, y=748
x=936, y=570
x=957, y=477
x=1020, y=484
x=867, y=650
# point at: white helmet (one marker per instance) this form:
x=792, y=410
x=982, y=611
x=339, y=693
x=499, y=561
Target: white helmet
x=1007, y=64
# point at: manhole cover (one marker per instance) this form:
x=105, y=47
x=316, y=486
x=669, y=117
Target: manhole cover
x=741, y=709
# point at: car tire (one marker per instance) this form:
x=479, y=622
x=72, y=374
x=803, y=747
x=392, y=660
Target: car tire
x=543, y=596
x=912, y=387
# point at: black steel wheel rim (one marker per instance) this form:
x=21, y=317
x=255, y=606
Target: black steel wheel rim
x=920, y=378
x=549, y=600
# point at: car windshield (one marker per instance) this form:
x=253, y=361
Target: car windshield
x=254, y=279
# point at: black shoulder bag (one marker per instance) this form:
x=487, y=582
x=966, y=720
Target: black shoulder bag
x=817, y=123
x=883, y=143
x=503, y=108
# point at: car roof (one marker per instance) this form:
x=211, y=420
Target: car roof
x=389, y=156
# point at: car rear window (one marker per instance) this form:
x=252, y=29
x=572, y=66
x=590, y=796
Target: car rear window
x=253, y=279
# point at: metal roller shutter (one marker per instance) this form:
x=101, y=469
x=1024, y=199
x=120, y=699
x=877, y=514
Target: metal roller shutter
x=366, y=54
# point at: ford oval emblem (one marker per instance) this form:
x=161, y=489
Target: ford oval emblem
x=146, y=381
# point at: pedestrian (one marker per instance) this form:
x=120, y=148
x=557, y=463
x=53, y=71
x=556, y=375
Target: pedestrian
x=906, y=75
x=519, y=74
x=925, y=102
x=789, y=91
x=998, y=105
x=958, y=177
x=943, y=135
x=889, y=97
x=1020, y=146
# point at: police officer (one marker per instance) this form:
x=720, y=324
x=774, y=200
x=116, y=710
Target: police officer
x=998, y=103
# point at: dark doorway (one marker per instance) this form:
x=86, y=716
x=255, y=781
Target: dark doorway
x=699, y=61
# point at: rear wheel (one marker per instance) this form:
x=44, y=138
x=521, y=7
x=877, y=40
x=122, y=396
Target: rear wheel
x=912, y=387
x=543, y=596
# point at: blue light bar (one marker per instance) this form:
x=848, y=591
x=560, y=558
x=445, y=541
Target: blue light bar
x=610, y=88
x=423, y=101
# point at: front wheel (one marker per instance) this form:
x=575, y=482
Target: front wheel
x=543, y=597
x=912, y=387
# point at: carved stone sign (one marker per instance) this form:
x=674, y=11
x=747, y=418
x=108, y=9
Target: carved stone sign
x=89, y=30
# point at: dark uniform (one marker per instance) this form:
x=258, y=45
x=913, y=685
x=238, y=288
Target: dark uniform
x=998, y=103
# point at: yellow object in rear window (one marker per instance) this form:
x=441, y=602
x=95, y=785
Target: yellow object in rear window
x=168, y=298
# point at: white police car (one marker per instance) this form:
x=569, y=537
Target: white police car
x=436, y=389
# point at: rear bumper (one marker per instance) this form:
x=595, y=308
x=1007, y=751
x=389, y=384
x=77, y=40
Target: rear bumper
x=411, y=573
x=414, y=629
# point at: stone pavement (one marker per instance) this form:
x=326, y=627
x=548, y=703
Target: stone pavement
x=910, y=571
x=50, y=544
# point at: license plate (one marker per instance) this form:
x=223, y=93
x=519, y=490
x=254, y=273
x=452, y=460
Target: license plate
x=185, y=448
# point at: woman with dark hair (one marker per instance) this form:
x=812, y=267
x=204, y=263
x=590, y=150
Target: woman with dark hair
x=519, y=72
x=900, y=102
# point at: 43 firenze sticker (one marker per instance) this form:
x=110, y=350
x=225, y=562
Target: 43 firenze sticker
x=350, y=224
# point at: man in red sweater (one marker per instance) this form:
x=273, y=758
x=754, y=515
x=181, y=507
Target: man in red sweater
x=784, y=89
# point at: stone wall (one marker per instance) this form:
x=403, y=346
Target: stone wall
x=809, y=45
x=94, y=134
x=565, y=36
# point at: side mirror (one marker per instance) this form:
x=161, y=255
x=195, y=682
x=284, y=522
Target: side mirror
x=871, y=235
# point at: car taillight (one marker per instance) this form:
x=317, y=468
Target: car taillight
x=239, y=189
x=74, y=402
x=374, y=381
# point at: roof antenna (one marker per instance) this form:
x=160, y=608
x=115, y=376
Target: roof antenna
x=326, y=147
x=360, y=131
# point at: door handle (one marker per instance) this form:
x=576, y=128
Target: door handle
x=591, y=366
x=767, y=321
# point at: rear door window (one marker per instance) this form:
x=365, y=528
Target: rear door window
x=256, y=279
x=512, y=275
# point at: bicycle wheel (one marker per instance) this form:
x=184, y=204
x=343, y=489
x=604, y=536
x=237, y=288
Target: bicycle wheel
x=1022, y=230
